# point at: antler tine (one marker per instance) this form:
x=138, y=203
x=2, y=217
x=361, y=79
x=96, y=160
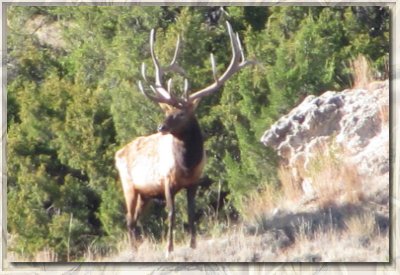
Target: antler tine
x=156, y=97
x=160, y=94
x=141, y=87
x=173, y=66
x=169, y=85
x=237, y=62
x=234, y=43
x=158, y=70
x=213, y=67
x=186, y=89
x=178, y=42
x=240, y=47
x=146, y=94
x=143, y=71
x=244, y=62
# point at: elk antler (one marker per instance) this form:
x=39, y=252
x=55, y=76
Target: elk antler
x=162, y=95
x=237, y=62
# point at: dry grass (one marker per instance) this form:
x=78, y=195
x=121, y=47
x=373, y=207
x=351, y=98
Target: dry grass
x=333, y=179
x=337, y=246
x=342, y=235
x=95, y=251
x=353, y=184
x=384, y=114
x=289, y=184
x=330, y=178
x=46, y=255
x=266, y=199
x=361, y=72
x=322, y=243
x=362, y=225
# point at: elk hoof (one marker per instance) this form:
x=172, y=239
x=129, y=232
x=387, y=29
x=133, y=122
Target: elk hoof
x=169, y=250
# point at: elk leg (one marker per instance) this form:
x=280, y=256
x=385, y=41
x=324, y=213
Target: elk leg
x=131, y=203
x=191, y=193
x=139, y=206
x=169, y=197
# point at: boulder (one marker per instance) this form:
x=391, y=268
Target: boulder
x=355, y=120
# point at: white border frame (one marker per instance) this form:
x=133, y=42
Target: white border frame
x=163, y=268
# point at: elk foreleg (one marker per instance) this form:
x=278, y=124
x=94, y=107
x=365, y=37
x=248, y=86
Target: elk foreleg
x=191, y=193
x=169, y=197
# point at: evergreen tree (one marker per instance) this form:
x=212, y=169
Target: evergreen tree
x=71, y=107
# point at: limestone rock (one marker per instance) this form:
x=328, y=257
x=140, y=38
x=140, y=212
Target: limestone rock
x=354, y=119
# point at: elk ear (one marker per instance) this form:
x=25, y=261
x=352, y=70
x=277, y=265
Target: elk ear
x=166, y=108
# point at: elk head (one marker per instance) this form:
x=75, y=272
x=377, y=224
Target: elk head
x=175, y=107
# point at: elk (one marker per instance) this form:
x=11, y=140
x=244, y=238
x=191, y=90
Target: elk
x=161, y=164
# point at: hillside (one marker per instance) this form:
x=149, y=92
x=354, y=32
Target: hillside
x=339, y=212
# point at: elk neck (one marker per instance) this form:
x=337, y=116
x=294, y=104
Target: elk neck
x=189, y=145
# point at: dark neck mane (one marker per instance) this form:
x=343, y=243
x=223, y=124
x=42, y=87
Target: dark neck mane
x=191, y=152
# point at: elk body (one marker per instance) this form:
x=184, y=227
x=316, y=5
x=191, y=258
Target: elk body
x=161, y=164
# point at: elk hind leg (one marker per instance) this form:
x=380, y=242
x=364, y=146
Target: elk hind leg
x=131, y=199
x=139, y=206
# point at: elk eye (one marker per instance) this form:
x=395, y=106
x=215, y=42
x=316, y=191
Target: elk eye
x=178, y=115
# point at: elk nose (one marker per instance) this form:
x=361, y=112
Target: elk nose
x=162, y=128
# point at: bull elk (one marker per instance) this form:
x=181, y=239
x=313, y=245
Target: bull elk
x=161, y=164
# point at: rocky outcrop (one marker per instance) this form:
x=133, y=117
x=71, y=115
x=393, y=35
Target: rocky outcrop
x=356, y=120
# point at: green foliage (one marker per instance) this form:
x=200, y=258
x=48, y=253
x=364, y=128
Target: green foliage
x=71, y=108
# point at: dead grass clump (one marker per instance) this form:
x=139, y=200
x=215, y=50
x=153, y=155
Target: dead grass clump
x=333, y=179
x=330, y=178
x=304, y=232
x=264, y=200
x=338, y=246
x=384, y=114
x=363, y=225
x=289, y=183
x=45, y=255
x=353, y=184
x=361, y=72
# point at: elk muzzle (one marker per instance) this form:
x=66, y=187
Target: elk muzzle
x=162, y=128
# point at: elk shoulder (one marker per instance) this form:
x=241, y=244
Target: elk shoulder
x=149, y=162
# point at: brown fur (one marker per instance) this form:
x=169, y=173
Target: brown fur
x=155, y=166
x=164, y=163
x=146, y=154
